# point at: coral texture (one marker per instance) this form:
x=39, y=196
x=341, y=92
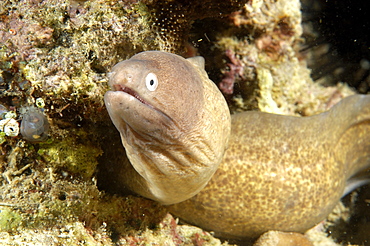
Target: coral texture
x=61, y=52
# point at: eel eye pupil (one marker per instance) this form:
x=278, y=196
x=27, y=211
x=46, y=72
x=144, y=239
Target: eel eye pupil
x=151, y=82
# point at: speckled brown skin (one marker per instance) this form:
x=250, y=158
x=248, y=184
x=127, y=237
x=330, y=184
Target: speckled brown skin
x=282, y=173
x=279, y=173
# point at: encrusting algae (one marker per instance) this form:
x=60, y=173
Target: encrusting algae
x=62, y=52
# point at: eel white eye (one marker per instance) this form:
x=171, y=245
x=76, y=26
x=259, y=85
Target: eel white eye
x=151, y=81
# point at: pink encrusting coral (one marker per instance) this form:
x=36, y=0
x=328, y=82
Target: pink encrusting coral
x=235, y=70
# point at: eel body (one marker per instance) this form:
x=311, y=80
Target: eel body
x=278, y=173
x=281, y=172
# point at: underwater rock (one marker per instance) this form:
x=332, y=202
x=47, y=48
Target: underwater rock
x=173, y=19
x=277, y=238
x=80, y=41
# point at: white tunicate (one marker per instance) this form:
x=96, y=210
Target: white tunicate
x=10, y=115
x=40, y=103
x=10, y=127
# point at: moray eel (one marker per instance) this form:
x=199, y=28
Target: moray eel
x=164, y=107
x=278, y=172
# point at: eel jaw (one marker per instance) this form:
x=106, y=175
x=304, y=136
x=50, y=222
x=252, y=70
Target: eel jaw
x=131, y=92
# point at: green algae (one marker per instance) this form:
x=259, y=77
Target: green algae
x=76, y=154
x=2, y=137
x=10, y=220
x=62, y=54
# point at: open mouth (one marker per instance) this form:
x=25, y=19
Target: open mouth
x=118, y=87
